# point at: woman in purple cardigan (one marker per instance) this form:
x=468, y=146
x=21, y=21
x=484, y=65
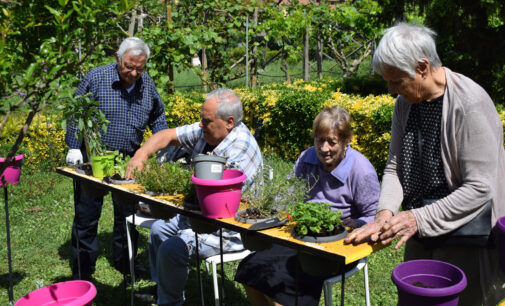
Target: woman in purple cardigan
x=342, y=177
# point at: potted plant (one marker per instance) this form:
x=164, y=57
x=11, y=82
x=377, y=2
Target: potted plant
x=428, y=282
x=269, y=197
x=83, y=112
x=12, y=168
x=317, y=222
x=166, y=179
x=120, y=165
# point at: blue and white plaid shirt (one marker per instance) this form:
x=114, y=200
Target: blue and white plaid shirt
x=242, y=152
x=129, y=113
x=239, y=147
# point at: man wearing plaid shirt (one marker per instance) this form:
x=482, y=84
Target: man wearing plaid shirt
x=129, y=99
x=172, y=244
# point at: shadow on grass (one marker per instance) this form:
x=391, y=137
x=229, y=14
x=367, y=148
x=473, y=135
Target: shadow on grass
x=16, y=279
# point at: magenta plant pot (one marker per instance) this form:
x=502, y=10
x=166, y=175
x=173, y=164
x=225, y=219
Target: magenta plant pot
x=501, y=242
x=220, y=198
x=13, y=171
x=70, y=293
x=428, y=282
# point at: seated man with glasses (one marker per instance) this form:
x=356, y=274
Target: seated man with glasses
x=128, y=97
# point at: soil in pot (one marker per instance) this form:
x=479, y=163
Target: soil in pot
x=118, y=180
x=253, y=215
x=337, y=234
x=84, y=169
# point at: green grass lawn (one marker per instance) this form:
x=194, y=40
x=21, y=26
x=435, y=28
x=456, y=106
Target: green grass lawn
x=41, y=212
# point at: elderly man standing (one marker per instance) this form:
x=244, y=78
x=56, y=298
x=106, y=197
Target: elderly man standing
x=128, y=97
x=172, y=244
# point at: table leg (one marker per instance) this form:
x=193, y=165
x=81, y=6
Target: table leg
x=221, y=295
x=76, y=233
x=198, y=276
x=342, y=289
x=7, y=227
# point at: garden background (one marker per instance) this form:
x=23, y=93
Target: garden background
x=300, y=58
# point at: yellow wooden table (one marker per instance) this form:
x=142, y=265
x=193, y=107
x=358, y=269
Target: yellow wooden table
x=338, y=251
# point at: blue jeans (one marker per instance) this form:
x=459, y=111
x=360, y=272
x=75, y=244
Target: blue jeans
x=171, y=248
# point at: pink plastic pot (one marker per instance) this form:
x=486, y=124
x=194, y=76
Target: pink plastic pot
x=220, y=198
x=13, y=171
x=71, y=293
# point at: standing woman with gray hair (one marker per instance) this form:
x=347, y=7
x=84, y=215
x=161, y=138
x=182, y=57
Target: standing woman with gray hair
x=446, y=165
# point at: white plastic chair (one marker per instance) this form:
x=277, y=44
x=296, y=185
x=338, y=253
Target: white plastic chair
x=215, y=260
x=362, y=264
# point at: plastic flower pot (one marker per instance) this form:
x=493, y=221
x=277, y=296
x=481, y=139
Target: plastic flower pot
x=428, y=282
x=13, y=171
x=220, y=198
x=208, y=167
x=71, y=293
x=102, y=165
x=501, y=242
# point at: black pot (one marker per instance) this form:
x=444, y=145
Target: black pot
x=317, y=265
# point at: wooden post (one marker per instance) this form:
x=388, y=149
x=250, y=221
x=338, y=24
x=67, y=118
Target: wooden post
x=254, y=64
x=204, y=70
x=319, y=58
x=170, y=68
x=306, y=55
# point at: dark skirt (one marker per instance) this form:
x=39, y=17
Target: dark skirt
x=277, y=273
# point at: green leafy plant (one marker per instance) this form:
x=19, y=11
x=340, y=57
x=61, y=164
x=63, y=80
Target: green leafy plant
x=165, y=178
x=83, y=112
x=315, y=218
x=120, y=164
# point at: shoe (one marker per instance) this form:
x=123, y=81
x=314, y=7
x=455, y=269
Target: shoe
x=139, y=269
x=148, y=296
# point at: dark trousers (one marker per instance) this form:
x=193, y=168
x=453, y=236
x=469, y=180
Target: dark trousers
x=88, y=208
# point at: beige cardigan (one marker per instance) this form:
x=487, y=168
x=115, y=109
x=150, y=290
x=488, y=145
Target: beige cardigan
x=472, y=154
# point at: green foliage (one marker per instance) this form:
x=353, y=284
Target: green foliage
x=120, y=164
x=166, y=178
x=83, y=113
x=471, y=40
x=315, y=218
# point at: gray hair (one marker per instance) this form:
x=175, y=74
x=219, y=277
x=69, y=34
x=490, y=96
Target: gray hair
x=135, y=45
x=228, y=104
x=335, y=119
x=403, y=47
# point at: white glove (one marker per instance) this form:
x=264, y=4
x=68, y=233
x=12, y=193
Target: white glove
x=74, y=157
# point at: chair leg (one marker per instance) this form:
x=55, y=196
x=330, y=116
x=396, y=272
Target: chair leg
x=216, y=286
x=367, y=292
x=130, y=258
x=327, y=294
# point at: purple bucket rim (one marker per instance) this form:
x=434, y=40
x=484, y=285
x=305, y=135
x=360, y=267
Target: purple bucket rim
x=240, y=178
x=501, y=224
x=88, y=296
x=429, y=292
x=16, y=158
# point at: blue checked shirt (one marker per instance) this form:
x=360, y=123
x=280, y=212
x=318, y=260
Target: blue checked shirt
x=129, y=113
x=239, y=147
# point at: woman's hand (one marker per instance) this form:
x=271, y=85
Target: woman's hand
x=371, y=230
x=403, y=226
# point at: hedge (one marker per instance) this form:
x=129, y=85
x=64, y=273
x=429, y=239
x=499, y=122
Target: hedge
x=279, y=115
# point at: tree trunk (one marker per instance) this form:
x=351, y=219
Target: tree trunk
x=254, y=64
x=319, y=59
x=131, y=27
x=284, y=67
x=306, y=55
x=204, y=70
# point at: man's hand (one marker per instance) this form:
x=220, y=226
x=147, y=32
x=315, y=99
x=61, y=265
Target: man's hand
x=74, y=157
x=371, y=230
x=136, y=162
x=403, y=226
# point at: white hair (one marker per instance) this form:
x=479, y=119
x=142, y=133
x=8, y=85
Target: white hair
x=403, y=46
x=135, y=46
x=228, y=104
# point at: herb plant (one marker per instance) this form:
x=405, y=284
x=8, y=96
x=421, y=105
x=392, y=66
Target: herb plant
x=120, y=164
x=315, y=218
x=165, y=178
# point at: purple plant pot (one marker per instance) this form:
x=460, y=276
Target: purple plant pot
x=501, y=241
x=13, y=171
x=70, y=293
x=428, y=282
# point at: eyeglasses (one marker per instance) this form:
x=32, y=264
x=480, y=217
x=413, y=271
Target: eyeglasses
x=131, y=68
